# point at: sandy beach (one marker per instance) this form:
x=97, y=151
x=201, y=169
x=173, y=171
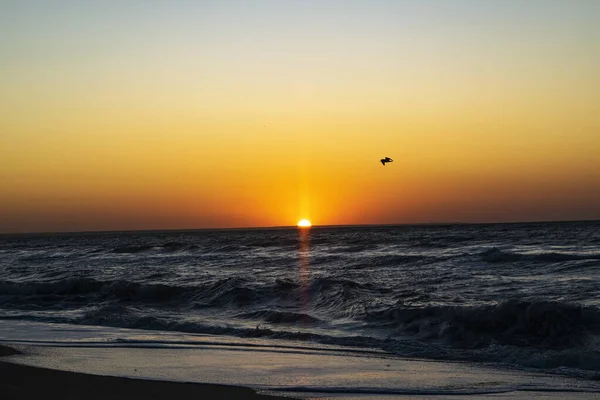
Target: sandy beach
x=26, y=382
x=100, y=362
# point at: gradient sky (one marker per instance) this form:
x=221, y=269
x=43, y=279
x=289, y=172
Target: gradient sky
x=149, y=114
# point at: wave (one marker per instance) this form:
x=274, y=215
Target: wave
x=543, y=324
x=221, y=293
x=127, y=317
x=533, y=324
x=279, y=317
x=230, y=292
x=73, y=292
x=526, y=324
x=580, y=360
x=495, y=255
x=326, y=284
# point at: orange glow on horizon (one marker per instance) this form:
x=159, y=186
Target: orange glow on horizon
x=190, y=127
x=304, y=223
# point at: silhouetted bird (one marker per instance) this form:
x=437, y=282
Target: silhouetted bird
x=384, y=160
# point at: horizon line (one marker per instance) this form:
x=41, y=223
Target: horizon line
x=127, y=231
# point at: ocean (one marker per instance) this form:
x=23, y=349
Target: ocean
x=522, y=295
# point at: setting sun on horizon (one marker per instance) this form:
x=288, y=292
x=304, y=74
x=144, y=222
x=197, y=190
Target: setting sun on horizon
x=182, y=115
x=304, y=223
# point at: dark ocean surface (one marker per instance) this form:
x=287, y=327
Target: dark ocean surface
x=527, y=295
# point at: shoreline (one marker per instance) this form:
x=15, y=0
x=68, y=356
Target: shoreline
x=32, y=383
x=212, y=370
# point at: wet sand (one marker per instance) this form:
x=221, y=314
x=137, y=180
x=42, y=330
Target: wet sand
x=26, y=382
x=217, y=368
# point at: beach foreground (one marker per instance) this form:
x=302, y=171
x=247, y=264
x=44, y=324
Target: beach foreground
x=26, y=382
x=226, y=367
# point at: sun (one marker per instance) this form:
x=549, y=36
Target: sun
x=304, y=223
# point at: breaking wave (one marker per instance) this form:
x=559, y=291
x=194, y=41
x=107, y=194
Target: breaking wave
x=543, y=324
x=457, y=336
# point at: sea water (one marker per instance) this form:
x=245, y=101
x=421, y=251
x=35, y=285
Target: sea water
x=523, y=296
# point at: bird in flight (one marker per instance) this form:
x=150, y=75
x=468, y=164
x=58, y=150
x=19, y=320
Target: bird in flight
x=384, y=160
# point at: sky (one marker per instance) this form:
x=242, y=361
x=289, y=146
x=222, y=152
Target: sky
x=151, y=114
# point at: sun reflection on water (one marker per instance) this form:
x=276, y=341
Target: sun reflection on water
x=304, y=252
